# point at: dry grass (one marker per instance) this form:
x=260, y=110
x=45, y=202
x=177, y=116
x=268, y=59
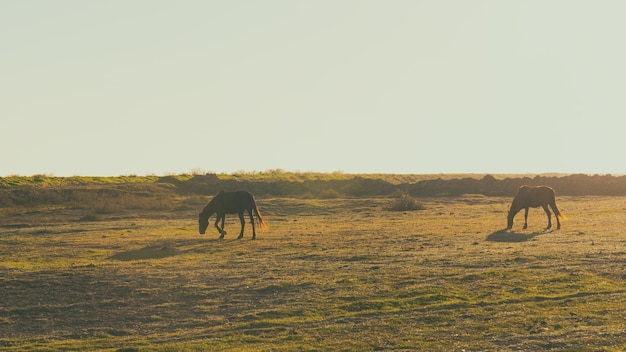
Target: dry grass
x=330, y=274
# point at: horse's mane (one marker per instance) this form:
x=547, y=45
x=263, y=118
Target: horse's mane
x=215, y=198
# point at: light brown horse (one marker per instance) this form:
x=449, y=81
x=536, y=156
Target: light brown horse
x=534, y=197
x=230, y=203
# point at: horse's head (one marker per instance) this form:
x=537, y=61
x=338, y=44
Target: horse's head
x=203, y=223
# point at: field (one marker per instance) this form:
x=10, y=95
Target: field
x=329, y=274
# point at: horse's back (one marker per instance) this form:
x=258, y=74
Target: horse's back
x=234, y=202
x=535, y=196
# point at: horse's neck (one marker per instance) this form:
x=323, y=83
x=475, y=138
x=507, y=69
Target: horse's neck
x=207, y=210
x=516, y=206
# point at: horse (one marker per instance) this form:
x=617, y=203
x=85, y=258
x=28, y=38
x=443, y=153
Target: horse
x=230, y=203
x=534, y=197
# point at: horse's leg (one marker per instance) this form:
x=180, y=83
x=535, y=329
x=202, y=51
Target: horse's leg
x=220, y=230
x=223, y=219
x=243, y=224
x=525, y=218
x=545, y=208
x=252, y=222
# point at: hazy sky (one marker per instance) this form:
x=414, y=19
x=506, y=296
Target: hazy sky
x=156, y=87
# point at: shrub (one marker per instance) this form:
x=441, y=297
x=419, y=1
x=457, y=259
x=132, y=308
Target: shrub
x=405, y=203
x=90, y=217
x=330, y=194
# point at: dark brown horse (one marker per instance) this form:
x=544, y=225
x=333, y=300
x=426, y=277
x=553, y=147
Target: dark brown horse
x=534, y=197
x=230, y=203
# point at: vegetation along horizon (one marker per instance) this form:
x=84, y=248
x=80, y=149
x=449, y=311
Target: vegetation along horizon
x=348, y=263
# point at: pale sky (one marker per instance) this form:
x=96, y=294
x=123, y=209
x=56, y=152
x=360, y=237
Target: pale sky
x=158, y=87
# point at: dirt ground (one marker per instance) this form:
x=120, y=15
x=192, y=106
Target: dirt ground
x=335, y=274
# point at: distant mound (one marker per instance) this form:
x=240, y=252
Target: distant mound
x=152, y=192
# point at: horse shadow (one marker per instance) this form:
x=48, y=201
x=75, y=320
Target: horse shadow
x=161, y=250
x=158, y=251
x=174, y=248
x=509, y=236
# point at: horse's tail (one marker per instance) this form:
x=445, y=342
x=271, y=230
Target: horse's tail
x=260, y=221
x=558, y=212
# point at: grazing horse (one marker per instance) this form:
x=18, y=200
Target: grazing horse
x=230, y=203
x=534, y=197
